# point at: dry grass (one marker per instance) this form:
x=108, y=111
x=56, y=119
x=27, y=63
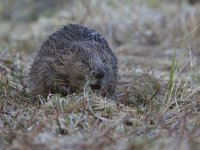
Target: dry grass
x=157, y=102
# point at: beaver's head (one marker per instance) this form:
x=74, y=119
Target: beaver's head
x=89, y=65
x=85, y=65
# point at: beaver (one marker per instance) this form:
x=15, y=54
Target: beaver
x=71, y=58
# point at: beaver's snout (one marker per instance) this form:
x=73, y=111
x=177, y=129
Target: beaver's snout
x=99, y=74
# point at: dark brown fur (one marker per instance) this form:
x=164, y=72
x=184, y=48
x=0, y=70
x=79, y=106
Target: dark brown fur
x=70, y=58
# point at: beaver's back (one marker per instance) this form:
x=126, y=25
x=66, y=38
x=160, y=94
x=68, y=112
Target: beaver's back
x=71, y=33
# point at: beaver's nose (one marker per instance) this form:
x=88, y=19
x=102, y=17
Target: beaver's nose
x=99, y=74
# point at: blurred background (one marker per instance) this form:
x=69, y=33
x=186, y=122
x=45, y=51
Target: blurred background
x=142, y=33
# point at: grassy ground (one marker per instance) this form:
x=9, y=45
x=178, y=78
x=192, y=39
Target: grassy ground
x=157, y=104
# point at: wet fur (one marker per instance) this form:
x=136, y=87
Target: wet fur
x=64, y=62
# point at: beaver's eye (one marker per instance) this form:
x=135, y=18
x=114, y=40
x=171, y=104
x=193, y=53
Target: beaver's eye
x=90, y=61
